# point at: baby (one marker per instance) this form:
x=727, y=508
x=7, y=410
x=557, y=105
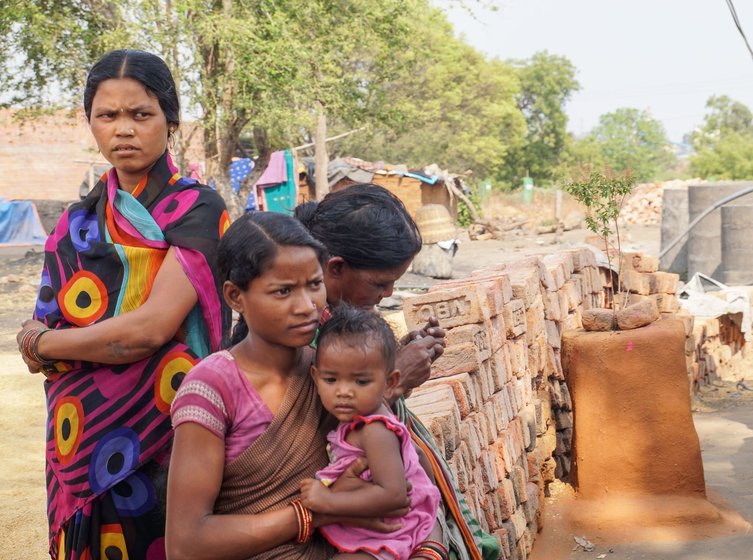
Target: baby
x=354, y=371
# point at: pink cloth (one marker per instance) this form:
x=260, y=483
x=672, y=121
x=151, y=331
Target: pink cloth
x=276, y=171
x=217, y=396
x=419, y=521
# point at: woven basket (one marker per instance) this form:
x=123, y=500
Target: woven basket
x=435, y=224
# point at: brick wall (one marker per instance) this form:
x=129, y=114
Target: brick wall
x=497, y=403
x=46, y=158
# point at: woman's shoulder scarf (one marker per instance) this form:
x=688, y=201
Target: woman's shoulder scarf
x=101, y=260
x=267, y=476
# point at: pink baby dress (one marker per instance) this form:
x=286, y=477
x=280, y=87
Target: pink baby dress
x=419, y=521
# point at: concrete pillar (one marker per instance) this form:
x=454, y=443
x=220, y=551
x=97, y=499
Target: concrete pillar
x=674, y=220
x=705, y=239
x=737, y=249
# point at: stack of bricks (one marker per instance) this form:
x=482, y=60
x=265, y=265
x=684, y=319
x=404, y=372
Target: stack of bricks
x=719, y=345
x=496, y=403
x=640, y=279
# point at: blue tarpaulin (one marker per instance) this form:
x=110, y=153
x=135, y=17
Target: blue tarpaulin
x=20, y=223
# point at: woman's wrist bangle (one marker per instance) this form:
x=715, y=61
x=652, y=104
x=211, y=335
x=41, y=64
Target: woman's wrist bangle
x=35, y=347
x=305, y=521
x=432, y=550
x=29, y=346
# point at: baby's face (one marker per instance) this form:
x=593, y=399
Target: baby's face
x=351, y=379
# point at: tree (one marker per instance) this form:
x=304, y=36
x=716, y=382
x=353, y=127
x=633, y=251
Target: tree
x=724, y=144
x=546, y=83
x=264, y=66
x=633, y=142
x=452, y=106
x=578, y=159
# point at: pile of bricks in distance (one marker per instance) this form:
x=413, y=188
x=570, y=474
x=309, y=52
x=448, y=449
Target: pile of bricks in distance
x=644, y=205
x=496, y=403
x=718, y=344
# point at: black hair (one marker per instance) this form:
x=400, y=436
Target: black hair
x=365, y=224
x=357, y=325
x=146, y=68
x=249, y=247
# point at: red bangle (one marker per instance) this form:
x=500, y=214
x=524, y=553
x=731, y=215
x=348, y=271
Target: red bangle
x=305, y=521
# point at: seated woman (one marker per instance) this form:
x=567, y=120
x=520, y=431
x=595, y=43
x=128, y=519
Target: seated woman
x=129, y=302
x=372, y=240
x=249, y=426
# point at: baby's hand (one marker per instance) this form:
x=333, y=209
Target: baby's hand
x=315, y=495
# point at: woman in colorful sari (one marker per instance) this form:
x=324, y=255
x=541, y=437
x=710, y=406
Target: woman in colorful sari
x=129, y=302
x=372, y=240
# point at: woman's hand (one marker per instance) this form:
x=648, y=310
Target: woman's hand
x=371, y=523
x=417, y=352
x=349, y=481
x=26, y=326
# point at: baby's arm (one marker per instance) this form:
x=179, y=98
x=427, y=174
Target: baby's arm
x=388, y=491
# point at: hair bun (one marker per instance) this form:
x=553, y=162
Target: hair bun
x=306, y=212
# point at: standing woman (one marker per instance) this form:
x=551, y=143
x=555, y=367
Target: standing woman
x=129, y=302
x=372, y=240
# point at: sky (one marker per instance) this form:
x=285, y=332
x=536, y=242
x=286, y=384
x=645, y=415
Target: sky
x=667, y=56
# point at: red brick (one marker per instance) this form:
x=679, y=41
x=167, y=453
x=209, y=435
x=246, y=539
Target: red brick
x=469, y=434
x=506, y=356
x=534, y=319
x=463, y=390
x=484, y=382
x=498, y=372
x=490, y=288
x=452, y=308
x=473, y=334
x=573, y=294
x=635, y=282
x=457, y=358
x=488, y=474
x=640, y=262
x=525, y=284
x=506, y=494
x=501, y=412
x=491, y=421
x=663, y=282
x=515, y=318
x=497, y=332
x=552, y=309
x=596, y=283
x=519, y=356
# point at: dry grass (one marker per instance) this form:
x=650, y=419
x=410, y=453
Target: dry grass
x=541, y=209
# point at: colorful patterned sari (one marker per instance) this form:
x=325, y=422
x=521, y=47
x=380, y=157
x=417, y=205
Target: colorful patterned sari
x=108, y=427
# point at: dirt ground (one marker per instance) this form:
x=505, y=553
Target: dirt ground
x=724, y=420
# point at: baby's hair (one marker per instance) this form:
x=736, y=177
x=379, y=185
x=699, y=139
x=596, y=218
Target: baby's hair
x=249, y=247
x=357, y=326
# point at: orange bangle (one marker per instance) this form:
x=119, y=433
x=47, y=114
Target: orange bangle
x=305, y=521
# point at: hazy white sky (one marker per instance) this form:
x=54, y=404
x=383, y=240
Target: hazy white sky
x=668, y=56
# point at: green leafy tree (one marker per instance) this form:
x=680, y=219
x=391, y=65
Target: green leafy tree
x=263, y=68
x=452, y=106
x=723, y=146
x=579, y=158
x=633, y=142
x=603, y=195
x=546, y=83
